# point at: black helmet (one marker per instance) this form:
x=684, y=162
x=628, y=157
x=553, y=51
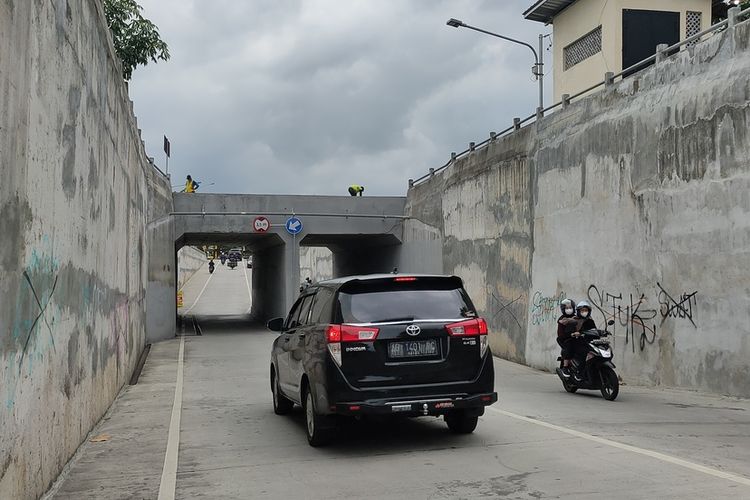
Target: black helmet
x=567, y=304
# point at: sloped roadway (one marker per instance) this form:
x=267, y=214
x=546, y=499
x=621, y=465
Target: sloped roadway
x=536, y=442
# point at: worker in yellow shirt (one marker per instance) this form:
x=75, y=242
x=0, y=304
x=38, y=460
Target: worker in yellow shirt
x=190, y=185
x=356, y=190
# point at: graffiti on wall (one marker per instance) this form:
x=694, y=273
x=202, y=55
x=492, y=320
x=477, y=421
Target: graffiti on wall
x=498, y=307
x=544, y=309
x=638, y=314
x=681, y=307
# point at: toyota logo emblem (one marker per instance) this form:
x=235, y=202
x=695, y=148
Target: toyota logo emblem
x=413, y=330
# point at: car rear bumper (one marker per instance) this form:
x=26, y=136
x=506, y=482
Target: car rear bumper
x=431, y=405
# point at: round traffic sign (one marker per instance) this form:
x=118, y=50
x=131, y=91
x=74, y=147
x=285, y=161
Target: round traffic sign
x=261, y=224
x=293, y=225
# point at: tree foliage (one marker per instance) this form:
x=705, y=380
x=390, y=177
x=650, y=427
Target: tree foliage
x=136, y=39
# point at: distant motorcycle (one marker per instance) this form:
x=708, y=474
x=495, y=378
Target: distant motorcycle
x=211, y=266
x=598, y=371
x=232, y=263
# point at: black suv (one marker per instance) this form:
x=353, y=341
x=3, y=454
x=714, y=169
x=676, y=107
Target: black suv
x=385, y=344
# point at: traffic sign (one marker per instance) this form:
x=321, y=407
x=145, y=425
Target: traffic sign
x=261, y=224
x=293, y=225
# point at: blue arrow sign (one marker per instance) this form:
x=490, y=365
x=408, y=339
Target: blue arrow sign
x=293, y=225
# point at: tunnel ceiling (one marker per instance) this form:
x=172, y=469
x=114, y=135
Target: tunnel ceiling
x=349, y=241
x=251, y=241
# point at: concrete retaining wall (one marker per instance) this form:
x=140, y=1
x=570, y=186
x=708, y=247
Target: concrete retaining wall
x=635, y=199
x=189, y=260
x=315, y=263
x=75, y=207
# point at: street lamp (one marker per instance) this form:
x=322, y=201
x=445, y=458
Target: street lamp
x=537, y=70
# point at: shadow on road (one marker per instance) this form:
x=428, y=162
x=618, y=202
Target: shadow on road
x=387, y=435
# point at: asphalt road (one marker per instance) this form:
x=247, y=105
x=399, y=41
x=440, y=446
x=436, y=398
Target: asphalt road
x=536, y=442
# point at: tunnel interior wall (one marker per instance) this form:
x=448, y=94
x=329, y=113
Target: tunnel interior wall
x=315, y=263
x=75, y=206
x=635, y=199
x=189, y=260
x=364, y=259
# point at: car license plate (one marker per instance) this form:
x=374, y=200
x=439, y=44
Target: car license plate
x=413, y=349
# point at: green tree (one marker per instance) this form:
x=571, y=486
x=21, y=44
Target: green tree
x=136, y=39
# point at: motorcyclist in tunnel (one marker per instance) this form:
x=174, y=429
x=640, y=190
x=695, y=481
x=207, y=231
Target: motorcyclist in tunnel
x=566, y=325
x=211, y=266
x=583, y=322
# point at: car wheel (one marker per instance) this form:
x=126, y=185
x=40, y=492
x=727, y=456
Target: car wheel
x=319, y=430
x=281, y=405
x=460, y=422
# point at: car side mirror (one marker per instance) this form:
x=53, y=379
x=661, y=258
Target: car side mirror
x=275, y=325
x=611, y=322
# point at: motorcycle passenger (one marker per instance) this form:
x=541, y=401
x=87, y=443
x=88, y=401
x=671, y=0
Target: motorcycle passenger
x=566, y=325
x=583, y=323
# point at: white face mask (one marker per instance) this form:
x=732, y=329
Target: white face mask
x=584, y=314
x=569, y=312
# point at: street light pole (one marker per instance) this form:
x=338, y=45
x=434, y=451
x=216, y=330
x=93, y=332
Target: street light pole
x=537, y=70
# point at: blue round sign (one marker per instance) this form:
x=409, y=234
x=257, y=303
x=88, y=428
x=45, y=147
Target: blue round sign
x=293, y=225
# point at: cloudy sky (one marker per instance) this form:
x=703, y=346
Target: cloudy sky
x=310, y=96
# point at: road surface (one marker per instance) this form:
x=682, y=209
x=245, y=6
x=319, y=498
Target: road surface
x=222, y=439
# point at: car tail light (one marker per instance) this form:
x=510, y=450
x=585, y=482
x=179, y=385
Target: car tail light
x=467, y=328
x=471, y=327
x=405, y=278
x=336, y=334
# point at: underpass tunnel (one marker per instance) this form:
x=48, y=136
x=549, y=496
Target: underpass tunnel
x=357, y=254
x=242, y=293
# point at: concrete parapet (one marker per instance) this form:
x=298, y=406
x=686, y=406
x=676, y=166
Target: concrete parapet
x=634, y=199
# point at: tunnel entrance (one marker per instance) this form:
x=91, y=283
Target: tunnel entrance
x=252, y=290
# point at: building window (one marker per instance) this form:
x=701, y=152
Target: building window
x=693, y=25
x=583, y=48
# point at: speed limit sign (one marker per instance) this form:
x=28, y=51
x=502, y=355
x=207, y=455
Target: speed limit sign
x=261, y=225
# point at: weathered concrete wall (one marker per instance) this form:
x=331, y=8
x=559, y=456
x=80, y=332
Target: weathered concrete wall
x=315, y=263
x=189, y=260
x=74, y=204
x=635, y=199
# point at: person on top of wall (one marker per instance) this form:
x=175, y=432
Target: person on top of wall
x=579, y=346
x=566, y=325
x=356, y=189
x=191, y=186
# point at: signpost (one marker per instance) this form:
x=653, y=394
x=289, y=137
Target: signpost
x=261, y=224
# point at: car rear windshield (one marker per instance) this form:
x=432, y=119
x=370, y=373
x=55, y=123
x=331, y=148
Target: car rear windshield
x=404, y=301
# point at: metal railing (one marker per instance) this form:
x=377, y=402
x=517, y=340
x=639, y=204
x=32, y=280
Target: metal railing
x=663, y=51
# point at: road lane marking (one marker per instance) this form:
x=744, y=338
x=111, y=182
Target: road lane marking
x=634, y=449
x=249, y=291
x=168, y=483
x=201, y=293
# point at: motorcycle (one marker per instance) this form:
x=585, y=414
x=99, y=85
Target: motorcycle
x=232, y=263
x=210, y=268
x=598, y=371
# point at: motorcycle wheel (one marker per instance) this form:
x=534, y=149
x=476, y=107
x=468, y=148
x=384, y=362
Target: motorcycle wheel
x=610, y=386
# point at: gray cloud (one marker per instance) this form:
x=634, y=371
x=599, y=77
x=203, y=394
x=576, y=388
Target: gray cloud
x=311, y=96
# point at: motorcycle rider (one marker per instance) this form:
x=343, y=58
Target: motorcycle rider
x=580, y=345
x=211, y=266
x=566, y=325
